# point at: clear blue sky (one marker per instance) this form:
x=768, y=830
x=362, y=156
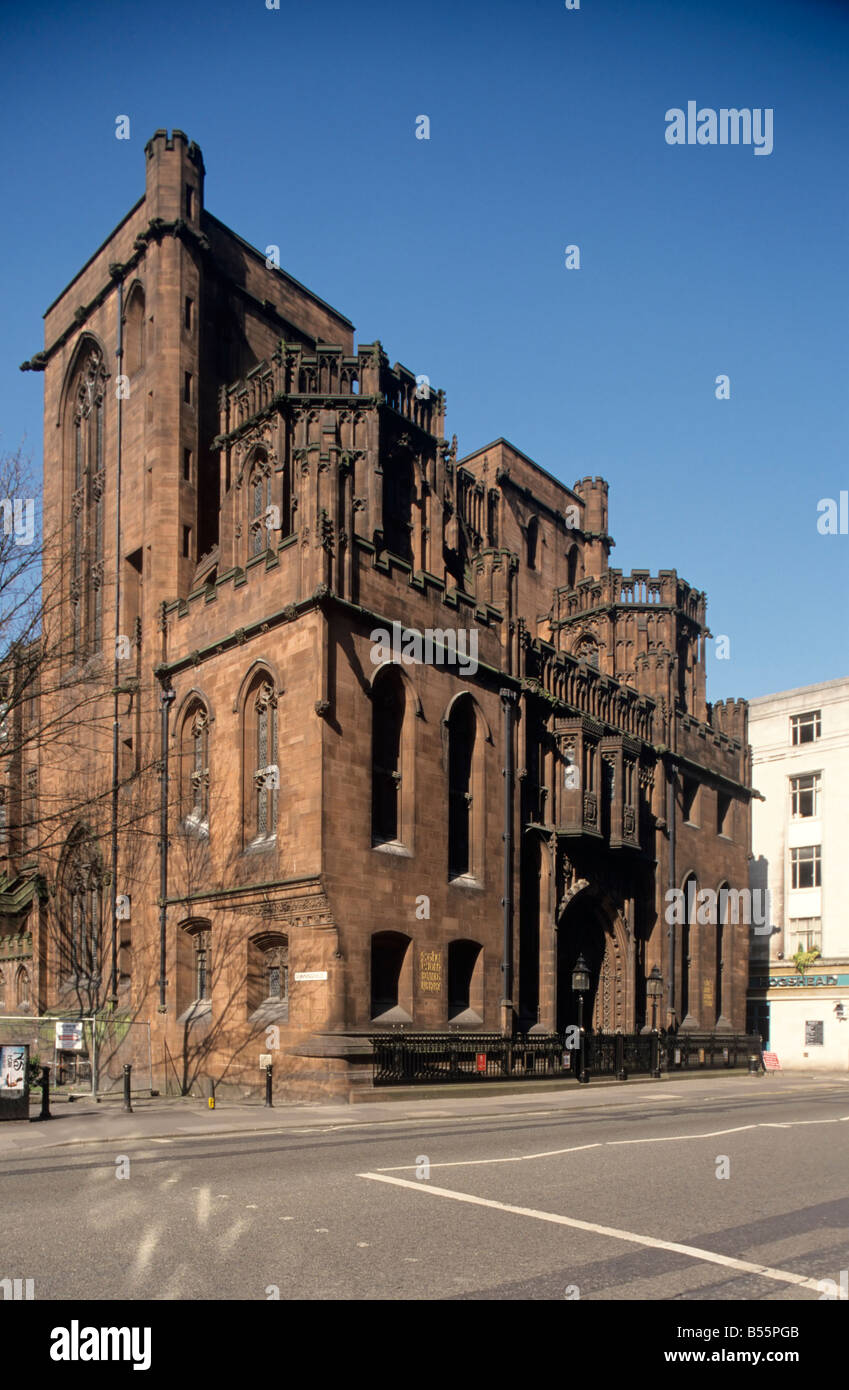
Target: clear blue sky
x=547, y=128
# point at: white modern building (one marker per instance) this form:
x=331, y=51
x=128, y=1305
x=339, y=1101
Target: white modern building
x=800, y=847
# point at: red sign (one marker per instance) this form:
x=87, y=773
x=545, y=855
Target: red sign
x=480, y=1061
x=771, y=1061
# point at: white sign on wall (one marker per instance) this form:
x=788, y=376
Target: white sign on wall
x=310, y=974
x=69, y=1036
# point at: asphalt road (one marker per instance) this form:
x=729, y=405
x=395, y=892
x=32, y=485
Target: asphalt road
x=528, y=1203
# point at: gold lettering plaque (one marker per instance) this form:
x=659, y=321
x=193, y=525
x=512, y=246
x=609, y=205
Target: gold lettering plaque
x=430, y=972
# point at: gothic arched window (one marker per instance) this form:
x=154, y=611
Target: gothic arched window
x=463, y=765
x=194, y=970
x=261, y=773
x=260, y=515
x=398, y=496
x=391, y=977
x=82, y=909
x=532, y=538
x=572, y=558
x=134, y=331
x=268, y=975
x=84, y=425
x=195, y=766
x=22, y=988
x=388, y=703
x=465, y=982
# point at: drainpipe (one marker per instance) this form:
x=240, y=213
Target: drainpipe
x=119, y=355
x=166, y=698
x=670, y=819
x=508, y=700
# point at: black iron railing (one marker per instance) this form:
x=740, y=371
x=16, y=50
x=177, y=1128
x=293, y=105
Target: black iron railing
x=431, y=1058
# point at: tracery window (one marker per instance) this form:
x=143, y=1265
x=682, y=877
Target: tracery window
x=261, y=773
x=22, y=983
x=277, y=970
x=82, y=908
x=259, y=504
x=195, y=751
x=268, y=976
x=85, y=413
x=202, y=965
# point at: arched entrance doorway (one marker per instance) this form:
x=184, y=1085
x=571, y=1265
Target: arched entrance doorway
x=587, y=928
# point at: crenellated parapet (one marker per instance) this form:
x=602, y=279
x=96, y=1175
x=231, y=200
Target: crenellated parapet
x=295, y=372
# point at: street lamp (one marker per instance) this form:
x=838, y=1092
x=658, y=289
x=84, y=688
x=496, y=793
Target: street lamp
x=654, y=990
x=580, y=985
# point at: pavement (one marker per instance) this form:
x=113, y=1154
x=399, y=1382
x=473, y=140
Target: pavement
x=84, y=1121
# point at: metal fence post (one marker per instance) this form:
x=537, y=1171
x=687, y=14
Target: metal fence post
x=127, y=1106
x=268, y=1100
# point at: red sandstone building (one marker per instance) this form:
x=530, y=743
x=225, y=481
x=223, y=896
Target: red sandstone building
x=355, y=841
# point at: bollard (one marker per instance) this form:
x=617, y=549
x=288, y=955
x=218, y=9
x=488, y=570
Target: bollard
x=127, y=1107
x=45, y=1095
x=268, y=1100
x=754, y=1063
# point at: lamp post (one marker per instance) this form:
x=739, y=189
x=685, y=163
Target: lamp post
x=654, y=990
x=580, y=985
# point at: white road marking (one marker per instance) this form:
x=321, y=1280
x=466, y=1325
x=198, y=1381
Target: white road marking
x=783, y=1276
x=615, y=1143
x=716, y=1133
x=481, y=1162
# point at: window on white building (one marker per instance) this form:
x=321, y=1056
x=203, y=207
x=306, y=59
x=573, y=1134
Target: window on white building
x=805, y=728
x=805, y=796
x=805, y=934
x=806, y=867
